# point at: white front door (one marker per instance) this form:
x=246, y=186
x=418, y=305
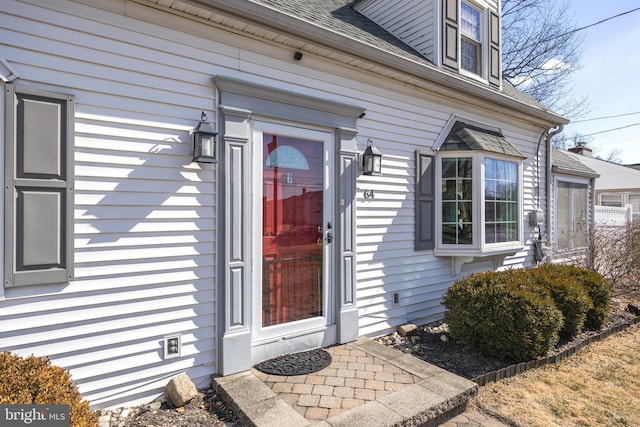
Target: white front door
x=293, y=308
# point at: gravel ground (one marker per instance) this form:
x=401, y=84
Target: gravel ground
x=205, y=410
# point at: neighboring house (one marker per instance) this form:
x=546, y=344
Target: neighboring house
x=573, y=204
x=617, y=185
x=127, y=262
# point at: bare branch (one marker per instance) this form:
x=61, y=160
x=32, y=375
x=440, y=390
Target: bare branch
x=541, y=52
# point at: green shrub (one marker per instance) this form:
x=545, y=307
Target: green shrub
x=598, y=289
x=568, y=294
x=502, y=315
x=35, y=380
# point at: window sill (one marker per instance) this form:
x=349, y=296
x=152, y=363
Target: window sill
x=473, y=76
x=459, y=257
x=484, y=252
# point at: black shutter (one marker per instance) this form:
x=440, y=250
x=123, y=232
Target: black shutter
x=495, y=73
x=425, y=203
x=450, y=33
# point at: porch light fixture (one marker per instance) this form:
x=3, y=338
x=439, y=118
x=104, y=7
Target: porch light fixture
x=371, y=160
x=203, y=141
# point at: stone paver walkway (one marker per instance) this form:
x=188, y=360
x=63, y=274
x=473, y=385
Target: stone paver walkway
x=354, y=377
x=366, y=385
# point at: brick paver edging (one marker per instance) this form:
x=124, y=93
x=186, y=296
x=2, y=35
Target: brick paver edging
x=512, y=370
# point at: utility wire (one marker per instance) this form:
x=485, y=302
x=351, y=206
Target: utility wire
x=611, y=130
x=575, y=30
x=600, y=22
x=604, y=117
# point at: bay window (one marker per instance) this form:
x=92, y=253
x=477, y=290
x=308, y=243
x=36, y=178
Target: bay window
x=479, y=204
x=501, y=201
x=457, y=201
x=469, y=194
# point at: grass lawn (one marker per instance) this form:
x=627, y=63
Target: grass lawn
x=600, y=386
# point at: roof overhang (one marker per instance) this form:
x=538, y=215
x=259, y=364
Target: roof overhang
x=239, y=13
x=463, y=137
x=572, y=172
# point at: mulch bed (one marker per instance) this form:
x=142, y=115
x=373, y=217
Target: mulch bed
x=434, y=344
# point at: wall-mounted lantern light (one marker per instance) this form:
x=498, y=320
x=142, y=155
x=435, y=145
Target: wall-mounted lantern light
x=371, y=160
x=203, y=141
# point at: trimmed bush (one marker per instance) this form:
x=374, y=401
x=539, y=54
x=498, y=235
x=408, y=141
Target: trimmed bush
x=502, y=315
x=569, y=295
x=35, y=380
x=596, y=286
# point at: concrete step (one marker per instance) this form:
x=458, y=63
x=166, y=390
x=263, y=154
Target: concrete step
x=434, y=398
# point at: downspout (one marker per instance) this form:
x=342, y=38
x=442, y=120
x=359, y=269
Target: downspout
x=592, y=204
x=549, y=135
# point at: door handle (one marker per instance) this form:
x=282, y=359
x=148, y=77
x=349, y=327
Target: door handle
x=329, y=237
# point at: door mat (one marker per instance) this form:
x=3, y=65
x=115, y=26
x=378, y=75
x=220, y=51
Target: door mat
x=301, y=363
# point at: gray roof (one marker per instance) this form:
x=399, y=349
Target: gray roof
x=464, y=136
x=340, y=17
x=563, y=162
x=612, y=176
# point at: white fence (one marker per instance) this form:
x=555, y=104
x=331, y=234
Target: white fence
x=613, y=217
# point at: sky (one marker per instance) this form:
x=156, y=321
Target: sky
x=609, y=77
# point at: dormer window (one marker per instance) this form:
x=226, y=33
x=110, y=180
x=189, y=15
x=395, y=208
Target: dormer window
x=470, y=41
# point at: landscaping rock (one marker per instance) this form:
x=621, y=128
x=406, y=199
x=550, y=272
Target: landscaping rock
x=181, y=390
x=405, y=329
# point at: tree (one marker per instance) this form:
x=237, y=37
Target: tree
x=540, y=51
x=564, y=141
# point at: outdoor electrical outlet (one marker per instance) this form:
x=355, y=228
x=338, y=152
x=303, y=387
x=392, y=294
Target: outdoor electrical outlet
x=172, y=346
x=396, y=298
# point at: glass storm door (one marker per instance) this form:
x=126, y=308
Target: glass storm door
x=296, y=230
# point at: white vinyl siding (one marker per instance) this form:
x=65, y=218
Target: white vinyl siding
x=145, y=216
x=412, y=21
x=387, y=261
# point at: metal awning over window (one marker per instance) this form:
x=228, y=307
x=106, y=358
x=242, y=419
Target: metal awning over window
x=464, y=137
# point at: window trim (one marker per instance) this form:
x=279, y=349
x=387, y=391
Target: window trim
x=620, y=195
x=479, y=43
x=45, y=276
x=450, y=27
x=484, y=59
x=478, y=247
x=588, y=211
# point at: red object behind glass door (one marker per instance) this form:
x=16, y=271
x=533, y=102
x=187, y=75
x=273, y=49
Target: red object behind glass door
x=292, y=218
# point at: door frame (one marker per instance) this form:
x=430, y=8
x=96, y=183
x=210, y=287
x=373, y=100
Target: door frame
x=240, y=103
x=298, y=335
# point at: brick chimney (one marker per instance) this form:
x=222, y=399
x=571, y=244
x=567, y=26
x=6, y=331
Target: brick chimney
x=582, y=149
